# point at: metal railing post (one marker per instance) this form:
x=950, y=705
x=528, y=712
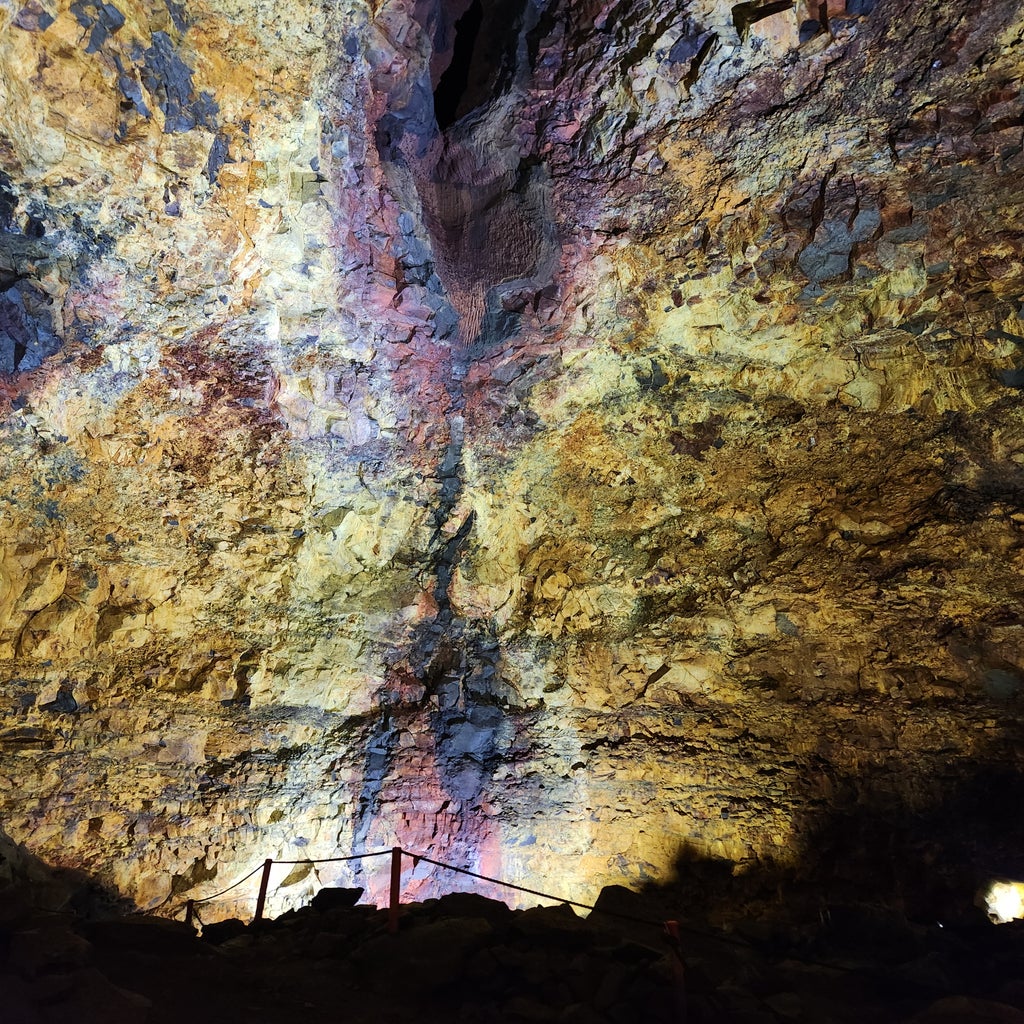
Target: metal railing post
x=396, y=889
x=261, y=900
x=190, y=910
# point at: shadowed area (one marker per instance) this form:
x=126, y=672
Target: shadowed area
x=469, y=958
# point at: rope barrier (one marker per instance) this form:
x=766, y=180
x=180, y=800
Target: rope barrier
x=334, y=860
x=670, y=929
x=650, y=922
x=397, y=853
x=583, y=906
x=318, y=860
x=191, y=904
x=673, y=928
x=533, y=892
x=206, y=899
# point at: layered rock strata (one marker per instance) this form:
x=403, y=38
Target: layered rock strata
x=561, y=438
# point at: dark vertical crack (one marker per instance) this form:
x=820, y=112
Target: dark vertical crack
x=451, y=89
x=483, y=233
x=483, y=57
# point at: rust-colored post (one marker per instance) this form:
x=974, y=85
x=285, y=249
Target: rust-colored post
x=190, y=910
x=396, y=889
x=261, y=900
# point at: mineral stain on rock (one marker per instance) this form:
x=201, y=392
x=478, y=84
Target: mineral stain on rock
x=169, y=80
x=33, y=17
x=99, y=19
x=27, y=335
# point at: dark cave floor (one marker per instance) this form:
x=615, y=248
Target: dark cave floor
x=469, y=959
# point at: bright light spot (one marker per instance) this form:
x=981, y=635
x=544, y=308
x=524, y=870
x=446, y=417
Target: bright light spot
x=1005, y=901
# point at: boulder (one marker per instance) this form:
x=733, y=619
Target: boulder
x=336, y=897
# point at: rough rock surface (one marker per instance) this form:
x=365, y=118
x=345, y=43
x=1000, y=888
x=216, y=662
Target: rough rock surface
x=564, y=438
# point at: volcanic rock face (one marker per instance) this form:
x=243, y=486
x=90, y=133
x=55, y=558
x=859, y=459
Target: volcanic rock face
x=559, y=437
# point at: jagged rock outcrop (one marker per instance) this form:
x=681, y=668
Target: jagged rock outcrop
x=570, y=437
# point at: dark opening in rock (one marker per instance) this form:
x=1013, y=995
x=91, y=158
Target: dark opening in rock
x=451, y=89
x=809, y=29
x=746, y=14
x=483, y=44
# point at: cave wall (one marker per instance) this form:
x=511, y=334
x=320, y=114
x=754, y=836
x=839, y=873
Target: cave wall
x=626, y=469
